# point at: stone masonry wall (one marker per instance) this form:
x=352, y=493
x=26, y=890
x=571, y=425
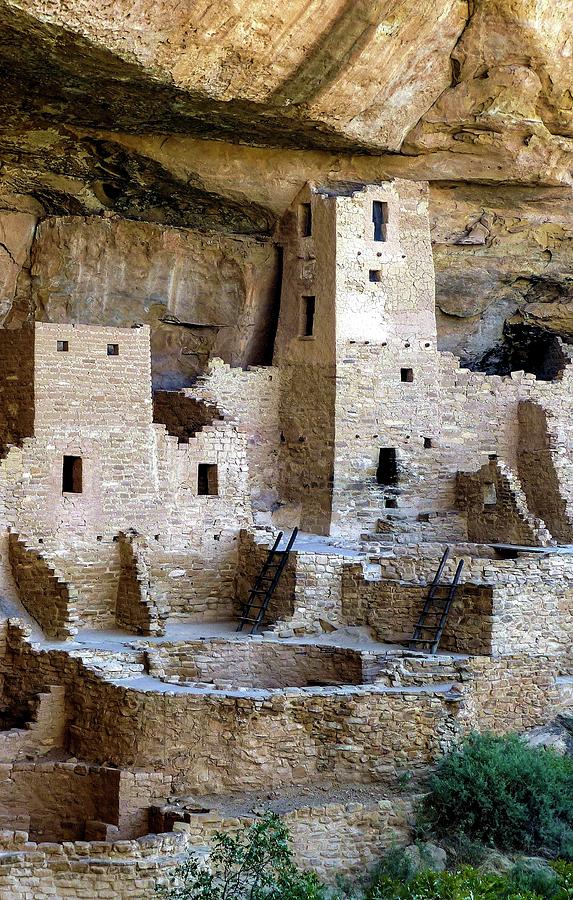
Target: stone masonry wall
x=256, y=664
x=532, y=595
x=43, y=590
x=249, y=399
x=16, y=386
x=58, y=798
x=392, y=608
x=307, y=362
x=494, y=511
x=183, y=416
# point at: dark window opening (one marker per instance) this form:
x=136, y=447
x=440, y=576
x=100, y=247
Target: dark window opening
x=387, y=471
x=113, y=349
x=307, y=316
x=63, y=346
x=207, y=481
x=305, y=219
x=72, y=475
x=427, y=443
x=407, y=375
x=380, y=220
x=391, y=503
x=375, y=275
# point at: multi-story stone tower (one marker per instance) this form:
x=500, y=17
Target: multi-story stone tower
x=356, y=344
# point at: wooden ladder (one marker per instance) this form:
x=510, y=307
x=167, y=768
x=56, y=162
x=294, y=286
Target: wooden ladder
x=265, y=584
x=434, y=616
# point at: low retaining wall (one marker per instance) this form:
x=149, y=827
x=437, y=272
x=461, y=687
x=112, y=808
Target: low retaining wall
x=256, y=664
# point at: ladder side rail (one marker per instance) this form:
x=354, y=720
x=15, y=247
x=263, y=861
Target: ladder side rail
x=273, y=585
x=450, y=600
x=269, y=592
x=431, y=594
x=246, y=605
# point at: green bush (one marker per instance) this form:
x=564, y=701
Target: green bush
x=505, y=794
x=254, y=863
x=467, y=884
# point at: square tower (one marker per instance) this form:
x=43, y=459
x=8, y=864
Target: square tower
x=356, y=342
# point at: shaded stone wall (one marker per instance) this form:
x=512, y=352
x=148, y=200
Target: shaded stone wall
x=16, y=386
x=392, y=608
x=58, y=798
x=496, y=508
x=308, y=365
x=183, y=416
x=536, y=467
x=43, y=590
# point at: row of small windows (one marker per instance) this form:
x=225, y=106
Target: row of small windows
x=379, y=220
x=64, y=346
x=72, y=477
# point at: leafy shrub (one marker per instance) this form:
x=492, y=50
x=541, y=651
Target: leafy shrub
x=467, y=884
x=525, y=876
x=499, y=791
x=254, y=863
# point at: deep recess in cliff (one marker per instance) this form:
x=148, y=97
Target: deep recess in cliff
x=174, y=139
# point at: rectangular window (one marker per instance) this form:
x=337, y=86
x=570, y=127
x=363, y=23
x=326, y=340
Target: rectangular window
x=489, y=494
x=387, y=471
x=305, y=220
x=72, y=475
x=427, y=443
x=407, y=375
x=307, y=316
x=113, y=349
x=63, y=346
x=207, y=481
x=380, y=220
x=391, y=503
x=375, y=275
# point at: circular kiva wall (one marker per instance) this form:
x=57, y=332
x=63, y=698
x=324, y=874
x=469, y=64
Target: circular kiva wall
x=254, y=664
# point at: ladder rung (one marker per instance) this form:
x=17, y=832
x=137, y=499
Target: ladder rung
x=420, y=641
x=426, y=628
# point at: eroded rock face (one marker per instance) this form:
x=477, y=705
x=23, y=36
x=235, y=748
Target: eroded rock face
x=503, y=256
x=212, y=116
x=203, y=295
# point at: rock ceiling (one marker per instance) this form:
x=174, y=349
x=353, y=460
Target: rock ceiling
x=210, y=116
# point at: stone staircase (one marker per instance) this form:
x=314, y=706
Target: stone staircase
x=44, y=592
x=121, y=664
x=411, y=669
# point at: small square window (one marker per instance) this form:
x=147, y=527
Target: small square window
x=391, y=503
x=375, y=275
x=207, y=480
x=427, y=443
x=113, y=349
x=63, y=346
x=407, y=375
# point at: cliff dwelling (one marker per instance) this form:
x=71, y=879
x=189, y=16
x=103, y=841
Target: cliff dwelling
x=286, y=429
